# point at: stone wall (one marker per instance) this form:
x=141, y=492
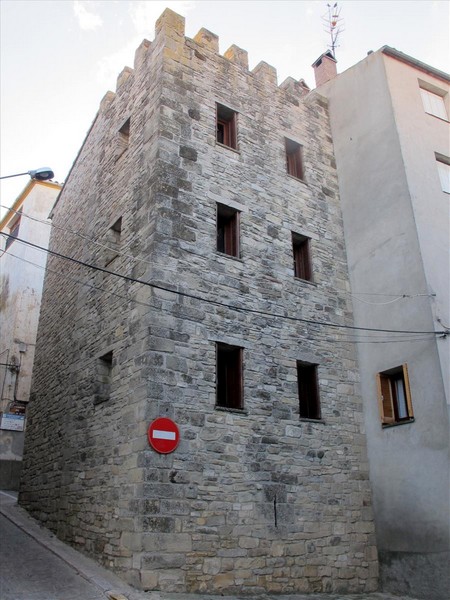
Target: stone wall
x=251, y=500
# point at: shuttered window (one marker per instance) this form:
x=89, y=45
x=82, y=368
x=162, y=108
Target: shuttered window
x=302, y=257
x=434, y=104
x=294, y=159
x=394, y=396
x=228, y=230
x=226, y=131
x=229, y=386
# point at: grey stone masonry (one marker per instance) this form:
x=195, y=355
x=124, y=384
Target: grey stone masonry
x=253, y=499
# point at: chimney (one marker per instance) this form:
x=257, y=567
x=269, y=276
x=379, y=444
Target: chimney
x=324, y=68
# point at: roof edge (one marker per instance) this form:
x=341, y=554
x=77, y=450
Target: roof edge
x=389, y=51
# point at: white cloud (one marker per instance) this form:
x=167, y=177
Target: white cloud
x=88, y=21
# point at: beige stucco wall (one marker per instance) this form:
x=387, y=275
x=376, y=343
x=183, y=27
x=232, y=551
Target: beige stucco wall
x=21, y=276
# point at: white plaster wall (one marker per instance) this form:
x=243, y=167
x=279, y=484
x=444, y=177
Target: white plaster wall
x=388, y=232
x=420, y=136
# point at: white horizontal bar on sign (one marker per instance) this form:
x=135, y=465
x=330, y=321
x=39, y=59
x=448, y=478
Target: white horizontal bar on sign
x=158, y=434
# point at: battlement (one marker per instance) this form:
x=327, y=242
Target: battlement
x=170, y=33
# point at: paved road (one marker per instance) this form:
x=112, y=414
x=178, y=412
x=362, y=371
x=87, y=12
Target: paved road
x=35, y=565
x=28, y=571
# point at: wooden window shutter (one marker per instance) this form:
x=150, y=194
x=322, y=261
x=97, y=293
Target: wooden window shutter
x=407, y=391
x=385, y=399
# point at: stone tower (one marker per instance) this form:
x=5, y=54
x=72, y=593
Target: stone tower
x=211, y=263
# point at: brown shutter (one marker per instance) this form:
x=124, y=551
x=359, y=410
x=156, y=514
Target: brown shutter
x=407, y=391
x=385, y=399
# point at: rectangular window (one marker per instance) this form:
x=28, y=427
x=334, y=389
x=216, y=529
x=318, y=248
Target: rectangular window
x=229, y=387
x=302, y=257
x=113, y=241
x=434, y=104
x=104, y=378
x=394, y=396
x=124, y=138
x=13, y=231
x=308, y=391
x=226, y=133
x=294, y=159
x=443, y=165
x=228, y=230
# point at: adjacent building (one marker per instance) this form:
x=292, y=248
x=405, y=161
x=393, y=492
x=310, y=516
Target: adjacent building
x=208, y=284
x=22, y=269
x=390, y=125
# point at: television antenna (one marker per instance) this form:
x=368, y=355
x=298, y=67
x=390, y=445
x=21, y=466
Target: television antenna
x=333, y=26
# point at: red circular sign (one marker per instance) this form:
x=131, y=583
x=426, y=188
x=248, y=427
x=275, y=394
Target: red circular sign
x=163, y=435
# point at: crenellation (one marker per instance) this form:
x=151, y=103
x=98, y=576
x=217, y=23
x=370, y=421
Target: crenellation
x=237, y=55
x=208, y=40
x=123, y=77
x=266, y=73
x=170, y=24
x=141, y=53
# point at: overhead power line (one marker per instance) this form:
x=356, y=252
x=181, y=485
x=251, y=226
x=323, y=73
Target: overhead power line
x=222, y=304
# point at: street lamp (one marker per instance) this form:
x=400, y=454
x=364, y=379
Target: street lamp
x=41, y=174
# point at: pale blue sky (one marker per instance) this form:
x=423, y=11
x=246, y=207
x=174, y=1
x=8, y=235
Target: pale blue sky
x=59, y=57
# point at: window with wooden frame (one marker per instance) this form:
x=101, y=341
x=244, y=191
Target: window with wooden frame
x=229, y=385
x=301, y=249
x=13, y=231
x=294, y=159
x=308, y=391
x=394, y=396
x=104, y=378
x=228, y=230
x=226, y=130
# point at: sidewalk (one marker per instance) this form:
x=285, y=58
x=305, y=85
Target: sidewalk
x=35, y=565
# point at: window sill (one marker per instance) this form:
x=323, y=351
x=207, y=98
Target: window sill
x=306, y=420
x=225, y=255
x=235, y=150
x=297, y=179
x=238, y=411
x=437, y=117
x=308, y=281
x=405, y=422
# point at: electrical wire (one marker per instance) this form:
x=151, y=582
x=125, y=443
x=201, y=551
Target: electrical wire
x=311, y=336
x=222, y=304
x=353, y=294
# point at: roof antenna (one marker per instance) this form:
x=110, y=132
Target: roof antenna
x=333, y=26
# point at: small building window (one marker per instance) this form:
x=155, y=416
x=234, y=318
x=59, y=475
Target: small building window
x=308, y=391
x=228, y=230
x=443, y=165
x=124, y=138
x=226, y=133
x=394, y=396
x=434, y=104
x=104, y=378
x=113, y=241
x=229, y=387
x=13, y=231
x=294, y=159
x=302, y=256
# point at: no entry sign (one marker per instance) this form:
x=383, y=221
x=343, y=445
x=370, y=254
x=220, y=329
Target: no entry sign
x=163, y=435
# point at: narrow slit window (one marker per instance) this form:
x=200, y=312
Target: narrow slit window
x=13, y=231
x=226, y=133
x=308, y=391
x=228, y=230
x=394, y=396
x=229, y=387
x=114, y=235
x=124, y=137
x=294, y=159
x=301, y=249
x=104, y=378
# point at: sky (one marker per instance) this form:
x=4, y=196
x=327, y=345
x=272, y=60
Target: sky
x=60, y=57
